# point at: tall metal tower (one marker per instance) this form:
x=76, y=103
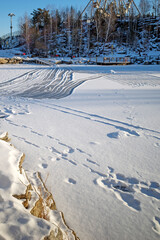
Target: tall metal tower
x=11, y=27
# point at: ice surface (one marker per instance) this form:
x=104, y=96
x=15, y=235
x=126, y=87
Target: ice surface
x=99, y=147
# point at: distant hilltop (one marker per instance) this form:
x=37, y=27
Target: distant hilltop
x=14, y=34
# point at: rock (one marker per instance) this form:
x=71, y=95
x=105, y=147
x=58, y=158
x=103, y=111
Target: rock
x=14, y=60
x=3, y=60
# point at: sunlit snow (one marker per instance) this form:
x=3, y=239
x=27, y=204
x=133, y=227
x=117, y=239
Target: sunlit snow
x=93, y=133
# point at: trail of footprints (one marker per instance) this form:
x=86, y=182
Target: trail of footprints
x=156, y=224
x=18, y=109
x=66, y=152
x=125, y=189
x=121, y=132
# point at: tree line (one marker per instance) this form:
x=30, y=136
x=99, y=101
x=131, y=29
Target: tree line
x=67, y=32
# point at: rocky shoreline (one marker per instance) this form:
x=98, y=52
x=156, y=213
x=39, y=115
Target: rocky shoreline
x=14, y=60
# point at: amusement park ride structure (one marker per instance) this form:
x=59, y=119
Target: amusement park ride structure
x=121, y=8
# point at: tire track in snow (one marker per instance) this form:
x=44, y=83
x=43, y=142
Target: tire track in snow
x=16, y=78
x=42, y=83
x=121, y=127
x=136, y=79
x=17, y=84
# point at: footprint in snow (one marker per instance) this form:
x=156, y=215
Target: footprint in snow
x=93, y=162
x=150, y=192
x=83, y=152
x=154, y=185
x=50, y=137
x=36, y=133
x=3, y=115
x=18, y=110
x=52, y=159
x=123, y=190
x=68, y=148
x=156, y=225
x=54, y=150
x=43, y=165
x=70, y=181
x=113, y=135
x=122, y=133
x=9, y=111
x=94, y=143
x=157, y=144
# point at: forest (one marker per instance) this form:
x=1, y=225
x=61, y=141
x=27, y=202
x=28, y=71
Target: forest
x=97, y=31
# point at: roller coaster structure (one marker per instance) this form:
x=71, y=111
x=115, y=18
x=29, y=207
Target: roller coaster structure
x=121, y=8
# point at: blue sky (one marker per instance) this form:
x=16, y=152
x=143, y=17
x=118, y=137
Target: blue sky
x=20, y=7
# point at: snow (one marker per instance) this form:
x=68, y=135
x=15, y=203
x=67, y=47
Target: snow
x=9, y=53
x=93, y=133
x=16, y=223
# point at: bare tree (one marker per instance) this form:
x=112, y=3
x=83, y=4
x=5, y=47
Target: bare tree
x=97, y=18
x=156, y=7
x=110, y=20
x=144, y=6
x=25, y=29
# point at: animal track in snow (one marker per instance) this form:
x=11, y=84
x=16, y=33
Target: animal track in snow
x=50, y=137
x=43, y=165
x=68, y=153
x=70, y=161
x=124, y=132
x=125, y=188
x=70, y=181
x=9, y=110
x=94, y=143
x=156, y=224
x=93, y=162
x=54, y=150
x=68, y=149
x=157, y=144
x=63, y=155
x=151, y=192
x=94, y=171
x=113, y=135
x=26, y=141
x=3, y=115
x=39, y=134
x=18, y=109
x=81, y=151
x=154, y=185
x=122, y=190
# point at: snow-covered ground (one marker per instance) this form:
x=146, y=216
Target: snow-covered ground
x=93, y=133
